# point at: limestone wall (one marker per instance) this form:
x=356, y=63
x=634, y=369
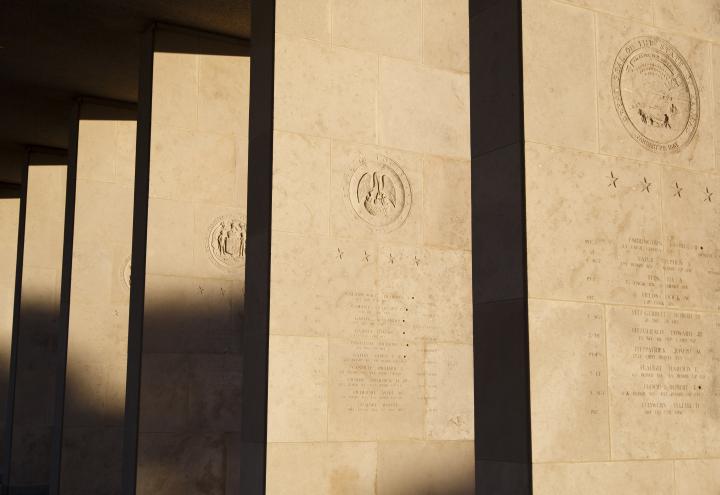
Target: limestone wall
x=99, y=297
x=39, y=314
x=191, y=368
x=370, y=365
x=9, y=219
x=623, y=245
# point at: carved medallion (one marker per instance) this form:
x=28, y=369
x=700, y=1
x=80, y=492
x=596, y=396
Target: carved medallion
x=380, y=193
x=656, y=95
x=126, y=272
x=226, y=242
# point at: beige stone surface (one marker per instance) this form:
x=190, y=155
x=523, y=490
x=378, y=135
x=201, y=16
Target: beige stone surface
x=375, y=390
x=695, y=150
x=370, y=311
x=699, y=18
x=423, y=109
x=386, y=27
x=569, y=398
x=662, y=368
x=301, y=196
x=636, y=478
x=446, y=34
x=423, y=292
x=692, y=239
x=97, y=332
x=309, y=272
x=559, y=75
x=446, y=203
x=45, y=215
x=223, y=96
x=324, y=91
x=298, y=389
x=175, y=79
x=321, y=468
x=697, y=476
x=434, y=468
x=448, y=377
x=590, y=240
x=716, y=87
x=306, y=19
x=39, y=314
x=9, y=220
x=637, y=10
x=190, y=409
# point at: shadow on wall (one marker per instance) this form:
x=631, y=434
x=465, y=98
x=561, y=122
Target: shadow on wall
x=190, y=407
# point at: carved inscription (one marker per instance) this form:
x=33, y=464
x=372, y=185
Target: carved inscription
x=380, y=193
x=655, y=94
x=226, y=242
x=663, y=375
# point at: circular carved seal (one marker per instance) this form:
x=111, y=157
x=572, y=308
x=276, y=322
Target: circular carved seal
x=655, y=94
x=226, y=242
x=125, y=273
x=380, y=193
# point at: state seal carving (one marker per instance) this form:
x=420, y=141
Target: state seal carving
x=380, y=193
x=227, y=236
x=655, y=94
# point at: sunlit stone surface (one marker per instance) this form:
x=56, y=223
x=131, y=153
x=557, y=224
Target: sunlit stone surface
x=39, y=321
x=623, y=246
x=99, y=298
x=9, y=218
x=370, y=373
x=192, y=366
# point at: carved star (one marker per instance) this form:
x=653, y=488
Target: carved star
x=366, y=256
x=613, y=180
x=392, y=259
x=708, y=195
x=646, y=185
x=678, y=190
x=340, y=254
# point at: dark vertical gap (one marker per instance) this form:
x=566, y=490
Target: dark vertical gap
x=503, y=447
x=10, y=406
x=64, y=323
x=138, y=259
x=257, y=274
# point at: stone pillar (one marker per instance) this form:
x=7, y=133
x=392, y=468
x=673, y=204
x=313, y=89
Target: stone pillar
x=9, y=218
x=623, y=245
x=371, y=343
x=99, y=297
x=196, y=235
x=37, y=324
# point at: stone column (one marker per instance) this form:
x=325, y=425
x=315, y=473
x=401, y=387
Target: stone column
x=9, y=218
x=196, y=235
x=371, y=345
x=99, y=297
x=623, y=245
x=37, y=324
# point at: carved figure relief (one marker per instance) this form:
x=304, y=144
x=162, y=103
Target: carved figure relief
x=380, y=193
x=226, y=242
x=655, y=94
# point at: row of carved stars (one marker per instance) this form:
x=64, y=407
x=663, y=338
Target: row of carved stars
x=366, y=257
x=647, y=185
